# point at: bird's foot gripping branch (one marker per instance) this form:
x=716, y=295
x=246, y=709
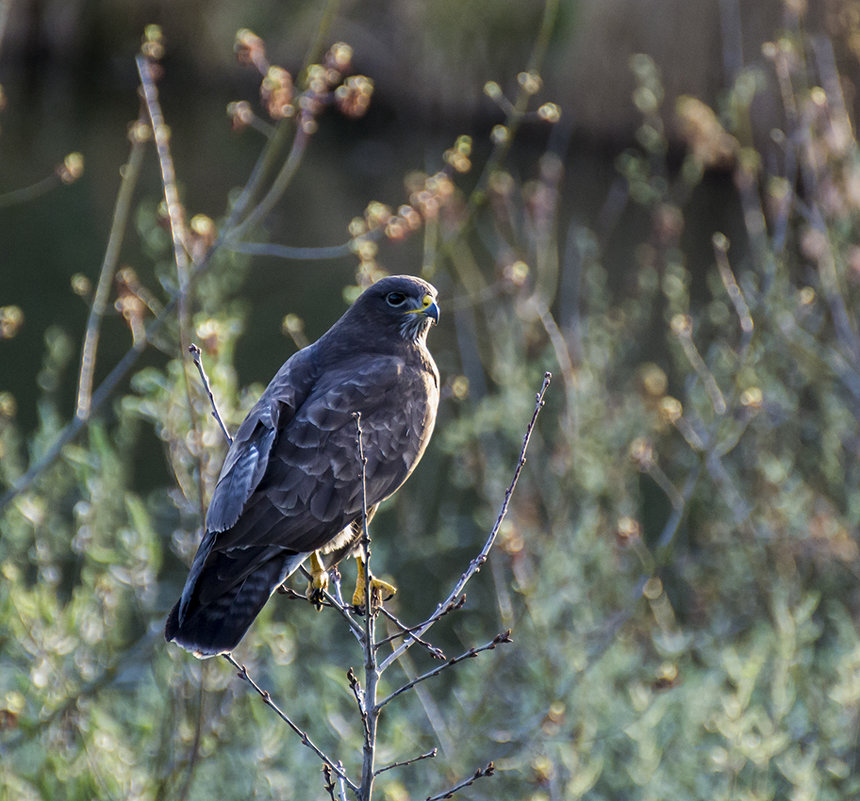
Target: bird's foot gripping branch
x=380, y=591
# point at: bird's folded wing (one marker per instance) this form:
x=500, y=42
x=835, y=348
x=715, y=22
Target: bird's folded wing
x=248, y=455
x=313, y=474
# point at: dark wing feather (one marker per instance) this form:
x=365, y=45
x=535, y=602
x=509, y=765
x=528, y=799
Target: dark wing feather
x=248, y=456
x=313, y=476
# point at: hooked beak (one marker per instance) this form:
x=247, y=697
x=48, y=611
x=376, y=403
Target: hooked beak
x=432, y=310
x=429, y=308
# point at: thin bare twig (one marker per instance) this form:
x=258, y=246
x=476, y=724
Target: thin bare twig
x=280, y=183
x=371, y=673
x=336, y=768
x=292, y=253
x=404, y=631
x=489, y=770
x=499, y=639
x=25, y=194
x=355, y=686
x=328, y=781
x=175, y=211
x=161, y=134
x=720, y=243
x=195, y=355
x=428, y=755
x=478, y=561
x=130, y=175
x=176, y=216
x=682, y=327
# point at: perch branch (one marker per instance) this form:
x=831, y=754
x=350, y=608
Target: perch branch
x=478, y=561
x=504, y=637
x=371, y=673
x=336, y=768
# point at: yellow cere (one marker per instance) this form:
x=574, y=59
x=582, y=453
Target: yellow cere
x=426, y=302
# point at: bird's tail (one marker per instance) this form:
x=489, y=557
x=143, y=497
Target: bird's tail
x=213, y=615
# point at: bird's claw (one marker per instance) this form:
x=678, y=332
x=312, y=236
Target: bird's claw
x=318, y=583
x=380, y=592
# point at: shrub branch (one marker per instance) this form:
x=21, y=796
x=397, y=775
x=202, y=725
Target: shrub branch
x=489, y=770
x=335, y=767
x=475, y=565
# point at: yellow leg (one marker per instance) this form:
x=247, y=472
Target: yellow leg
x=318, y=583
x=380, y=591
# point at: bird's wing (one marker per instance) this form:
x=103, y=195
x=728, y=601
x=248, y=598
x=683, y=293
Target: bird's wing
x=313, y=475
x=248, y=456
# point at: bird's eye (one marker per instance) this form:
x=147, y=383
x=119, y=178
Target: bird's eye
x=395, y=298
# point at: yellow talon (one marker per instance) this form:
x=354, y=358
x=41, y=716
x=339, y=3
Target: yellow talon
x=380, y=591
x=318, y=583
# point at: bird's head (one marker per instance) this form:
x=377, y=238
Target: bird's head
x=399, y=303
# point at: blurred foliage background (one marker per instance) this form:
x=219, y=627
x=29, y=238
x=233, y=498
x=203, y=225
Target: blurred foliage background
x=656, y=201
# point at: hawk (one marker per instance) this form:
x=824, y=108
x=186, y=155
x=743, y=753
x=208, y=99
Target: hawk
x=290, y=488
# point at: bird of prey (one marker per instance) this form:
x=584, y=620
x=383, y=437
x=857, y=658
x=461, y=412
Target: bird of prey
x=290, y=488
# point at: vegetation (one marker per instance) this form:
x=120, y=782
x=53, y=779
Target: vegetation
x=679, y=563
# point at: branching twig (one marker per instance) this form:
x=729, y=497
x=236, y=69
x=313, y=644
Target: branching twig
x=336, y=768
x=489, y=770
x=504, y=637
x=428, y=755
x=355, y=686
x=408, y=631
x=478, y=561
x=328, y=781
x=271, y=156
